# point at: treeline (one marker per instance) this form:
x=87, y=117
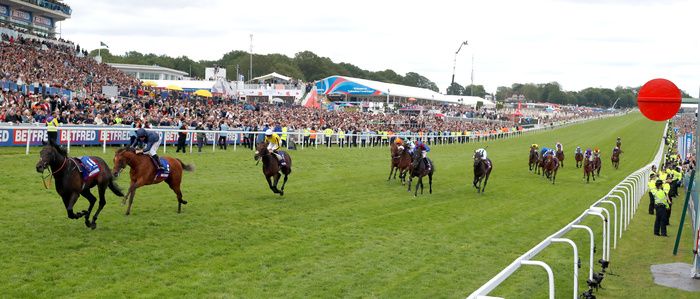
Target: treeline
x=305, y=66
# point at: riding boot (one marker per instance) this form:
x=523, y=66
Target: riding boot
x=156, y=159
x=425, y=160
x=281, y=159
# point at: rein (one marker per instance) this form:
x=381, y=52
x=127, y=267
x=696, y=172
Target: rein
x=51, y=174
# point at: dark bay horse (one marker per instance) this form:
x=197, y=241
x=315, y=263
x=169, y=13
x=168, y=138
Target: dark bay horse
x=419, y=169
x=551, y=165
x=482, y=171
x=589, y=169
x=271, y=168
x=615, y=157
x=579, y=160
x=143, y=172
x=70, y=184
x=534, y=158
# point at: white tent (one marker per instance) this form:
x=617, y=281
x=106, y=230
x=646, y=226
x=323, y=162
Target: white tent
x=223, y=87
x=272, y=76
x=468, y=100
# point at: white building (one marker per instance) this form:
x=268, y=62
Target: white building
x=150, y=72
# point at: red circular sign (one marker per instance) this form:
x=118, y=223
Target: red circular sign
x=659, y=99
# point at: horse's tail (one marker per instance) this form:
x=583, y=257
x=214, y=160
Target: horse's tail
x=186, y=167
x=115, y=188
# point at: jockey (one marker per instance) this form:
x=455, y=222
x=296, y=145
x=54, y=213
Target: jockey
x=399, y=143
x=596, y=151
x=151, y=142
x=424, y=149
x=535, y=146
x=558, y=146
x=578, y=149
x=588, y=154
x=482, y=152
x=545, y=151
x=273, y=143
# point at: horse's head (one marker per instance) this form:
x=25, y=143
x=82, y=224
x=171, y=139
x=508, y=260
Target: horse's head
x=121, y=158
x=49, y=154
x=260, y=150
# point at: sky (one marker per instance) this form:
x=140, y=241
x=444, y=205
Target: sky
x=578, y=43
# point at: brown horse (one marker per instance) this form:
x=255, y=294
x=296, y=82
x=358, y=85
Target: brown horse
x=534, y=158
x=615, y=157
x=579, y=160
x=560, y=154
x=589, y=169
x=597, y=163
x=271, y=168
x=400, y=162
x=551, y=165
x=143, y=172
x=482, y=171
x=70, y=184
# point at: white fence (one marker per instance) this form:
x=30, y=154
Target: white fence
x=624, y=199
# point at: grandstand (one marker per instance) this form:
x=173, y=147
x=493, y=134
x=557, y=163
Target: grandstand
x=33, y=17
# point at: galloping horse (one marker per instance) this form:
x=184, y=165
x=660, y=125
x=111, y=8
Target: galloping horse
x=560, y=155
x=615, y=157
x=482, y=171
x=589, y=169
x=400, y=162
x=579, y=160
x=271, y=168
x=70, y=183
x=534, y=158
x=551, y=165
x=419, y=169
x=143, y=172
x=597, y=163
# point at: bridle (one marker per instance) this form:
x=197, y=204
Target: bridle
x=51, y=173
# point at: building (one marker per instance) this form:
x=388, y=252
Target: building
x=36, y=17
x=149, y=72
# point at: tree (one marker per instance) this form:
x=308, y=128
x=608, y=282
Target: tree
x=478, y=91
x=455, y=89
x=415, y=79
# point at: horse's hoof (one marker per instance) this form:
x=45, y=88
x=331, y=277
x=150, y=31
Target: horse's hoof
x=93, y=225
x=281, y=193
x=184, y=202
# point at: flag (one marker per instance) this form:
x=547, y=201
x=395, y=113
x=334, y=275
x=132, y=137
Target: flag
x=103, y=45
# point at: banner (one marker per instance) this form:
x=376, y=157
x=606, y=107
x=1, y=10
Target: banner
x=77, y=136
x=43, y=21
x=22, y=15
x=688, y=144
x=4, y=10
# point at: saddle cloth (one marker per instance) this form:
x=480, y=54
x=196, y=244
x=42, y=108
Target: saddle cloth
x=166, y=169
x=88, y=168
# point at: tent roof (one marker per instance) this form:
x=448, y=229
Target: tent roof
x=273, y=75
x=350, y=85
x=185, y=84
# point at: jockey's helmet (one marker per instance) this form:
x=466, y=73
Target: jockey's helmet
x=141, y=132
x=268, y=132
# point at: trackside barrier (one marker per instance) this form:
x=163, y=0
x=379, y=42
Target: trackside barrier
x=28, y=135
x=632, y=189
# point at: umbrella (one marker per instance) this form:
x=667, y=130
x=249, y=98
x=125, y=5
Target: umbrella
x=411, y=99
x=203, y=93
x=149, y=83
x=277, y=100
x=174, y=87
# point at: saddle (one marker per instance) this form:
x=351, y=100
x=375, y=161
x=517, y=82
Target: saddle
x=279, y=162
x=89, y=168
x=166, y=168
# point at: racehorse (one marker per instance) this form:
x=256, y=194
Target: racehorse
x=482, y=171
x=589, y=169
x=551, y=165
x=143, y=172
x=271, y=167
x=534, y=158
x=540, y=164
x=597, y=163
x=400, y=162
x=579, y=160
x=70, y=183
x=560, y=157
x=419, y=169
x=615, y=157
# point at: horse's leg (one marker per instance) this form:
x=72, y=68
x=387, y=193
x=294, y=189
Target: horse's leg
x=101, y=191
x=390, y=172
x=175, y=186
x=410, y=181
x=269, y=183
x=486, y=180
x=420, y=181
x=284, y=182
x=277, y=179
x=415, y=194
x=132, y=192
x=69, y=201
x=91, y=198
x=554, y=176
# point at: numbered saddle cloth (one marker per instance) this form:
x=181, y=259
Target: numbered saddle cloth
x=166, y=168
x=89, y=168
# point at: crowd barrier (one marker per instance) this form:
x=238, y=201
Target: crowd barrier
x=624, y=199
x=35, y=135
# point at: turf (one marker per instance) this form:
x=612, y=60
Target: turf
x=340, y=230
